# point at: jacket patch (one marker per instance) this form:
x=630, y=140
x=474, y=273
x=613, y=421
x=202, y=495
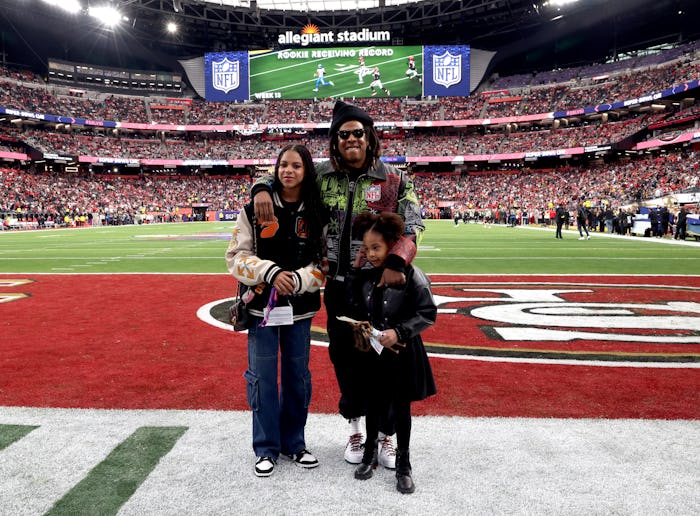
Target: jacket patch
x=373, y=193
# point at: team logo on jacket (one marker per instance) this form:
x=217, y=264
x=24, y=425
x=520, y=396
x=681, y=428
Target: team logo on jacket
x=225, y=74
x=269, y=228
x=373, y=193
x=447, y=69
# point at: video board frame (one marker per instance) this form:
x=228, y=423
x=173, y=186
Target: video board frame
x=338, y=72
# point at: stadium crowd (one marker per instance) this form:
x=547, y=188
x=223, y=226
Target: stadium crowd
x=618, y=184
x=70, y=198
x=24, y=91
x=207, y=145
x=107, y=198
x=523, y=194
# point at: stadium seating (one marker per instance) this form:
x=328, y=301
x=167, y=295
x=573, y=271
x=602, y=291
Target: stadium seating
x=40, y=196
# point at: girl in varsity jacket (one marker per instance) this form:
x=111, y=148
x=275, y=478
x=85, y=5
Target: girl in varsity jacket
x=280, y=262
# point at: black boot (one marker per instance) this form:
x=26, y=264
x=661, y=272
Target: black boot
x=404, y=482
x=369, y=463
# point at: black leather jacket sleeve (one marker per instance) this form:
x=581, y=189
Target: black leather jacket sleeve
x=424, y=311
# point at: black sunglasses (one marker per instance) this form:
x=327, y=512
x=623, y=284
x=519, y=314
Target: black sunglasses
x=357, y=133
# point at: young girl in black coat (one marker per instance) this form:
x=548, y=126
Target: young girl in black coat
x=400, y=372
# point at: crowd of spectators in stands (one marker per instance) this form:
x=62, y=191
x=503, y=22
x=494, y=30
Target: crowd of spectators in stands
x=52, y=195
x=25, y=91
x=28, y=195
x=501, y=194
x=28, y=92
x=622, y=183
x=207, y=145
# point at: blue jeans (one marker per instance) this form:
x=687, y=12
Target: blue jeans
x=279, y=415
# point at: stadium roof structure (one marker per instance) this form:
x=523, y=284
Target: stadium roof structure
x=527, y=35
x=312, y=5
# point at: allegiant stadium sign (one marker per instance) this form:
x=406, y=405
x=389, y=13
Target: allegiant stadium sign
x=311, y=35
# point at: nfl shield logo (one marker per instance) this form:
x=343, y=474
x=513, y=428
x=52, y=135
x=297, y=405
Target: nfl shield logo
x=225, y=75
x=373, y=193
x=447, y=69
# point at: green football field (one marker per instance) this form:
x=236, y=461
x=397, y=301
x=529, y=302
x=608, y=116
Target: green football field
x=291, y=75
x=199, y=247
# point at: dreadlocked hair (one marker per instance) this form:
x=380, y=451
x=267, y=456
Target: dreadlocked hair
x=374, y=150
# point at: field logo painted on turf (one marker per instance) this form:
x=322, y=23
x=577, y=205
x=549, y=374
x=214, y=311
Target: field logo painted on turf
x=557, y=321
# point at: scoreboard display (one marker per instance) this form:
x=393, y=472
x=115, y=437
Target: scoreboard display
x=338, y=72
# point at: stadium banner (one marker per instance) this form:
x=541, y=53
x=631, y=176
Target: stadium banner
x=229, y=216
x=54, y=118
x=446, y=71
x=650, y=97
x=14, y=156
x=339, y=72
x=226, y=76
x=59, y=157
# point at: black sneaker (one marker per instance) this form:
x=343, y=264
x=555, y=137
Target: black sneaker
x=264, y=466
x=304, y=459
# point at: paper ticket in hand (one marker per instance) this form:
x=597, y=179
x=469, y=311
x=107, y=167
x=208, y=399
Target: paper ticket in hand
x=345, y=318
x=374, y=340
x=375, y=333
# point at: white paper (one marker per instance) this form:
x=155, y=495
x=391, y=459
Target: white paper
x=374, y=341
x=345, y=318
x=280, y=316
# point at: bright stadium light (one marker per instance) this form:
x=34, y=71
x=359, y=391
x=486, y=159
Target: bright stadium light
x=106, y=14
x=171, y=27
x=559, y=3
x=72, y=6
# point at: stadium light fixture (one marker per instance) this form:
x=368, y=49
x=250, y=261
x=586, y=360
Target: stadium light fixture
x=559, y=3
x=106, y=14
x=311, y=5
x=171, y=27
x=72, y=6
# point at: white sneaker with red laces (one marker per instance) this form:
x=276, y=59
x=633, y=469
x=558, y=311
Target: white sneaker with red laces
x=386, y=454
x=354, y=449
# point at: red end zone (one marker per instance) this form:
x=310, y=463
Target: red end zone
x=531, y=346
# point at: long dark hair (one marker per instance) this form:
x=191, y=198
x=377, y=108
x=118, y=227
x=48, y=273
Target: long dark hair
x=374, y=150
x=313, y=207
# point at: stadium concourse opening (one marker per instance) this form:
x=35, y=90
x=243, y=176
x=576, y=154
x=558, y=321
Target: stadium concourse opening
x=199, y=211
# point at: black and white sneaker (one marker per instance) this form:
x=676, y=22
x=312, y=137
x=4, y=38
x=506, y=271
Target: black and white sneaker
x=264, y=466
x=304, y=459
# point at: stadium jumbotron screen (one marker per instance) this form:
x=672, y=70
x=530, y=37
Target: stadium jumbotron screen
x=308, y=73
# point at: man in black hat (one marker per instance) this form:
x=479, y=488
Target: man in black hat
x=354, y=180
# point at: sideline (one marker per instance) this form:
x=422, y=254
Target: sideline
x=460, y=466
x=595, y=234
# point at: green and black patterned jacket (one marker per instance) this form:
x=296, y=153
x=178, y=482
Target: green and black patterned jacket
x=381, y=188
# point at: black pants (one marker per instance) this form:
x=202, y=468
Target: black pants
x=680, y=232
x=559, y=225
x=401, y=410
x=351, y=365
